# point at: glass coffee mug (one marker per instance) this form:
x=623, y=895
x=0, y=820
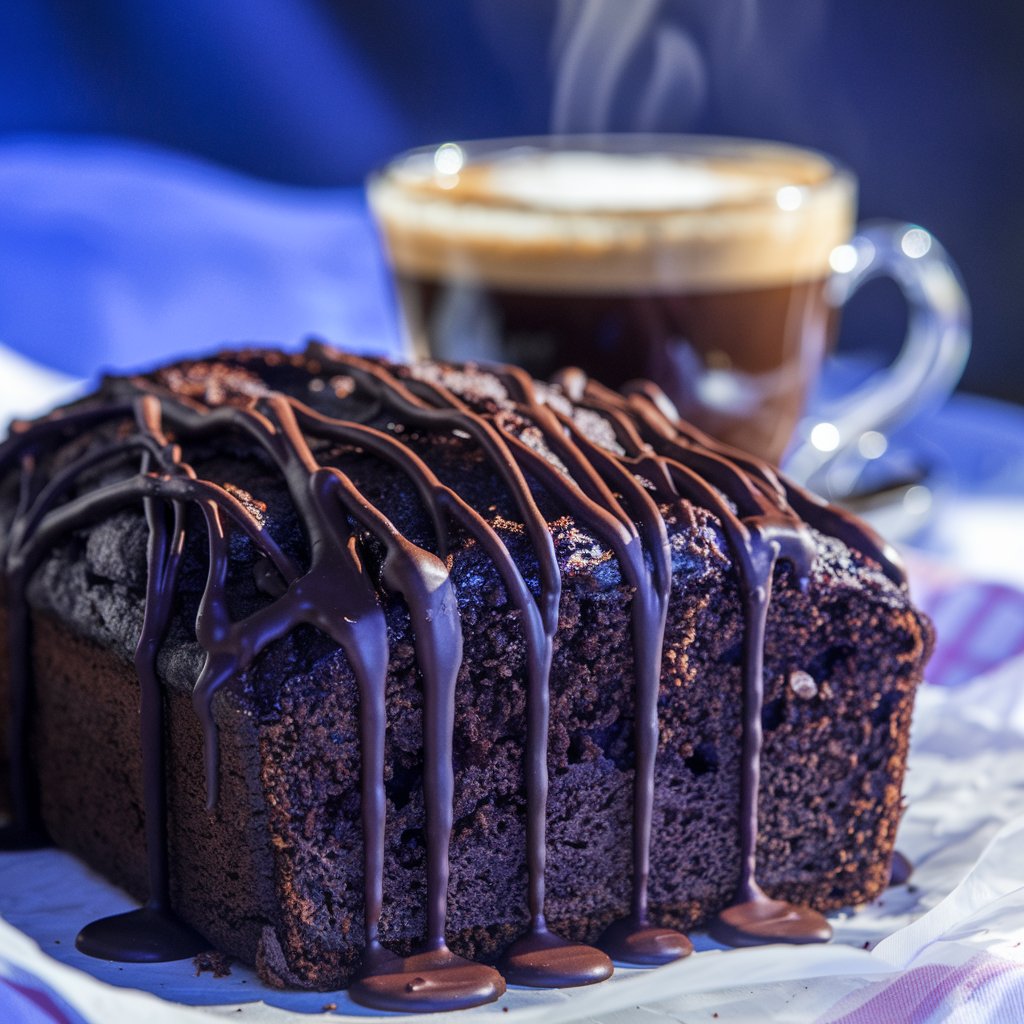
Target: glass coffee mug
x=714, y=267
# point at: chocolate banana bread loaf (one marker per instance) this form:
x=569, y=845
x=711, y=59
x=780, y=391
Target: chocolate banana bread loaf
x=441, y=667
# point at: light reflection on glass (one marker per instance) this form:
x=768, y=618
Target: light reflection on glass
x=789, y=197
x=448, y=158
x=872, y=444
x=918, y=500
x=825, y=437
x=915, y=243
x=843, y=259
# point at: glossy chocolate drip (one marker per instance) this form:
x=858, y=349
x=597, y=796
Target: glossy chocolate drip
x=777, y=530
x=632, y=939
x=761, y=920
x=533, y=960
x=589, y=498
x=323, y=497
x=900, y=869
x=581, y=963
x=762, y=531
x=432, y=980
x=541, y=959
x=657, y=411
x=615, y=495
x=336, y=577
x=637, y=941
x=152, y=933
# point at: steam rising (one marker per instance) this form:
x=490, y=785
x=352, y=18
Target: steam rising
x=641, y=65
x=677, y=85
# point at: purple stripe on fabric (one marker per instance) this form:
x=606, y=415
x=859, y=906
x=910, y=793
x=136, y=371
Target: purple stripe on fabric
x=915, y=997
x=979, y=626
x=957, y=644
x=42, y=1001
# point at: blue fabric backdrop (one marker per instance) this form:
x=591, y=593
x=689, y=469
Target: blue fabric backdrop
x=922, y=98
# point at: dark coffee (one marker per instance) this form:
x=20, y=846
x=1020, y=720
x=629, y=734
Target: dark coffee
x=701, y=267
x=738, y=362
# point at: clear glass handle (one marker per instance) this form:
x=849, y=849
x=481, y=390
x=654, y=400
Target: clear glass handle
x=925, y=371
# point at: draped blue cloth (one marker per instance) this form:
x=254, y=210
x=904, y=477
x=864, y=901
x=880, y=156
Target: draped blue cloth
x=116, y=255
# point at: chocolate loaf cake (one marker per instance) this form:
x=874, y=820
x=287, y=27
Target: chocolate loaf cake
x=441, y=667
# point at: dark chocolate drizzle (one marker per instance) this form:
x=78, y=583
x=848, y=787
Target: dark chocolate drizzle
x=614, y=494
x=900, y=868
x=151, y=933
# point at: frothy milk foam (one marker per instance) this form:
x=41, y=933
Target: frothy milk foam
x=597, y=221
x=591, y=181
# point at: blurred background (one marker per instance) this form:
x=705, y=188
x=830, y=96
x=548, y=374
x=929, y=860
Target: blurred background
x=122, y=122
